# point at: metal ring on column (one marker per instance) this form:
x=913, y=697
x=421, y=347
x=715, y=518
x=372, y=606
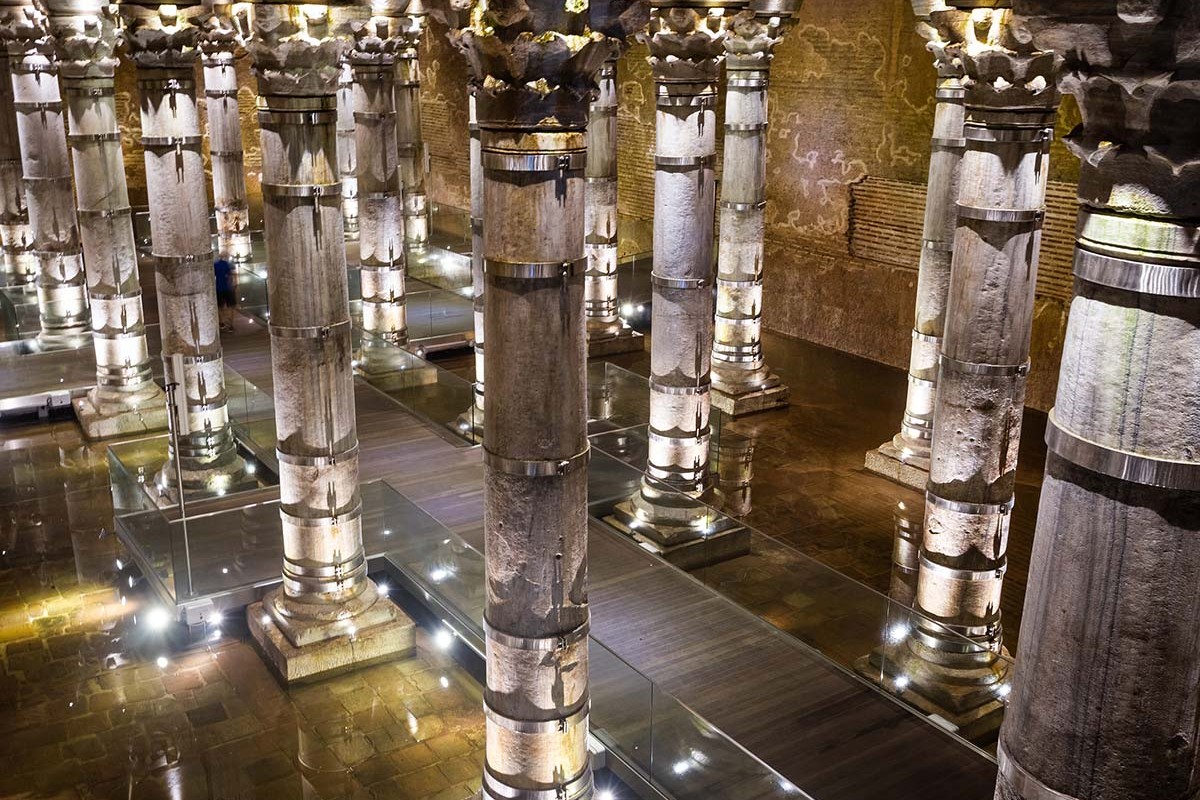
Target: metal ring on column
x=978, y=509
x=953, y=143
x=559, y=725
x=1163, y=280
x=677, y=283
x=310, y=332
x=747, y=83
x=534, y=270
x=373, y=116
x=1022, y=782
x=327, y=570
x=574, y=789
x=668, y=100
x=950, y=94
x=69, y=88
x=732, y=206
x=1021, y=215
x=379, y=195
x=23, y=105
x=536, y=468
x=1163, y=240
x=220, y=93
x=183, y=260
x=170, y=84
x=745, y=127
x=559, y=641
x=747, y=284
x=294, y=460
x=296, y=116
x=104, y=213
x=993, y=370
x=534, y=162
x=1028, y=135
x=80, y=139
x=926, y=337
x=306, y=191
x=601, y=112
x=685, y=162
x=226, y=153
x=1121, y=464
x=702, y=386
x=953, y=573
x=172, y=141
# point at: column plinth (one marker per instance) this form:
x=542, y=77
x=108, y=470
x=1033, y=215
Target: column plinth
x=669, y=513
x=125, y=399
x=1105, y=696
x=328, y=615
x=46, y=175
x=906, y=457
x=162, y=44
x=222, y=40
x=741, y=380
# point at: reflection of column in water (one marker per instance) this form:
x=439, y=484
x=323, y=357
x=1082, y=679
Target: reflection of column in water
x=600, y=398
x=89, y=511
x=909, y=521
x=735, y=471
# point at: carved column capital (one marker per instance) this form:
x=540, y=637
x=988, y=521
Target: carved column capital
x=25, y=29
x=383, y=36
x=952, y=28
x=686, y=44
x=86, y=35
x=1003, y=68
x=223, y=34
x=297, y=49
x=162, y=36
x=1133, y=75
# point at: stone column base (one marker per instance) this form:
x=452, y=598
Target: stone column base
x=469, y=425
x=684, y=546
x=102, y=423
x=967, y=701
x=335, y=647
x=891, y=462
x=626, y=341
x=737, y=405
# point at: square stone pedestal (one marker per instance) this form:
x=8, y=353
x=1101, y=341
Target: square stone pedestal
x=391, y=634
x=148, y=418
x=737, y=405
x=627, y=341
x=396, y=379
x=888, y=461
x=684, y=547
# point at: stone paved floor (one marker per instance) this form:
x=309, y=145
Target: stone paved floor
x=89, y=709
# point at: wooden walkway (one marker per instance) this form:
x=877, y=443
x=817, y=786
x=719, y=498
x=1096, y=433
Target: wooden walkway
x=824, y=730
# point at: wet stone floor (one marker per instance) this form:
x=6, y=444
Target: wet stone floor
x=94, y=703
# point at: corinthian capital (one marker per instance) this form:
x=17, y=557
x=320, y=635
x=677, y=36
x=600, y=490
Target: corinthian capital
x=223, y=32
x=937, y=39
x=620, y=19
x=162, y=36
x=379, y=39
x=686, y=44
x=25, y=29
x=1133, y=71
x=86, y=36
x=1003, y=68
x=297, y=49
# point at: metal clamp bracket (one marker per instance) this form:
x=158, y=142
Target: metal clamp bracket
x=732, y=206
x=687, y=162
x=541, y=643
x=308, y=190
x=747, y=83
x=210, y=93
x=535, y=468
x=1023, y=783
x=664, y=282
x=667, y=100
x=964, y=574
x=746, y=127
x=1024, y=215
x=187, y=259
x=980, y=133
x=1121, y=464
x=978, y=509
x=701, y=386
x=171, y=141
x=311, y=332
x=93, y=138
x=534, y=270
x=1137, y=276
x=105, y=213
x=995, y=370
x=226, y=153
x=534, y=162
x=561, y=725
x=293, y=460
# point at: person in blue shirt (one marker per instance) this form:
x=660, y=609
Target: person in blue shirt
x=226, y=293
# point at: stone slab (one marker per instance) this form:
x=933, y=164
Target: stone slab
x=627, y=341
x=395, y=380
x=395, y=638
x=752, y=402
x=888, y=461
x=729, y=542
x=149, y=418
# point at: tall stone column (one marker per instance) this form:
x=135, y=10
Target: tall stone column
x=906, y=456
x=221, y=40
x=347, y=149
x=161, y=41
x=1011, y=104
x=1107, y=690
x=16, y=239
x=45, y=166
x=410, y=145
x=686, y=45
x=327, y=614
x=125, y=399
x=607, y=333
x=533, y=77
x=470, y=422
x=742, y=382
x=380, y=219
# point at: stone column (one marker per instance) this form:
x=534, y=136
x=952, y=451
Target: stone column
x=125, y=399
x=347, y=140
x=221, y=40
x=1107, y=690
x=686, y=50
x=161, y=41
x=532, y=81
x=45, y=165
x=16, y=239
x=607, y=333
x=380, y=219
x=1011, y=104
x=470, y=422
x=906, y=456
x=742, y=382
x=327, y=614
x=410, y=145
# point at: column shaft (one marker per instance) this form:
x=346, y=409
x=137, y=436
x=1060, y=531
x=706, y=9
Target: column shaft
x=347, y=153
x=1108, y=682
x=45, y=164
x=600, y=286
x=471, y=420
x=87, y=38
x=16, y=239
x=162, y=46
x=410, y=145
x=219, y=45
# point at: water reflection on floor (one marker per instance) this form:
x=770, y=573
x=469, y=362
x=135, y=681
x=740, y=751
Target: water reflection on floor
x=95, y=703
